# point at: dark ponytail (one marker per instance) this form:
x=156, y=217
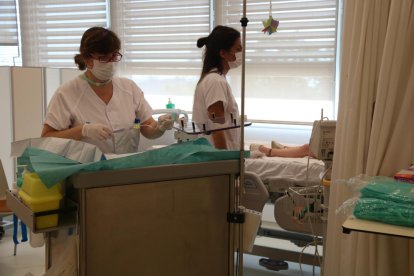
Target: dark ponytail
x=202, y=41
x=221, y=38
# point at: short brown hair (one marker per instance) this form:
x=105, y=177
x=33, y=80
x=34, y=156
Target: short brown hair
x=96, y=40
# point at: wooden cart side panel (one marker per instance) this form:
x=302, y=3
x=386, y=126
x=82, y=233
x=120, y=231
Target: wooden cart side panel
x=176, y=227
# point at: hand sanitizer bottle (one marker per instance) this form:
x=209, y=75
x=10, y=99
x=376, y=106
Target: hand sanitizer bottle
x=170, y=105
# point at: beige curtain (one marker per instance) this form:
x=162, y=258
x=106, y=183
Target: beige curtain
x=375, y=130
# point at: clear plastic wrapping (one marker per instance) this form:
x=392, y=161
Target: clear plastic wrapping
x=381, y=199
x=354, y=186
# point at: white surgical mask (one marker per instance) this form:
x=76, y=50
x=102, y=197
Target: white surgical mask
x=237, y=62
x=103, y=71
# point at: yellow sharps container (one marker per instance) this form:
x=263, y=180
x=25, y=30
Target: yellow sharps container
x=38, y=197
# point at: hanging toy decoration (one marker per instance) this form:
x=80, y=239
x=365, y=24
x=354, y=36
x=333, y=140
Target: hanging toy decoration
x=270, y=25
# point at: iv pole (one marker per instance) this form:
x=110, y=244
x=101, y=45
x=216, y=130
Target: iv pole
x=243, y=22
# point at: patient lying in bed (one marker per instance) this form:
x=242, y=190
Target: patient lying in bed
x=280, y=150
x=302, y=171
x=285, y=164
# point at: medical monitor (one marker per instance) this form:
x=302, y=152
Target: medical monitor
x=323, y=139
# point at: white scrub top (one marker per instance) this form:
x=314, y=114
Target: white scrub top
x=75, y=103
x=214, y=88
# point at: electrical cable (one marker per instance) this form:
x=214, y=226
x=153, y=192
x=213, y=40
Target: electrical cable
x=300, y=257
x=315, y=196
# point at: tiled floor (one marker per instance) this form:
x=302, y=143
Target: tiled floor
x=31, y=261
x=27, y=262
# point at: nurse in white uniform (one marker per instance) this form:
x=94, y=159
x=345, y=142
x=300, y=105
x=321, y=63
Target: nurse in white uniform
x=214, y=103
x=97, y=107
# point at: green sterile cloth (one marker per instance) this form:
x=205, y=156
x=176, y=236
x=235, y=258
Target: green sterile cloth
x=386, y=200
x=37, y=160
x=389, y=189
x=53, y=168
x=385, y=211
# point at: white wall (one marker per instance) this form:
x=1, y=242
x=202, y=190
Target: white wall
x=6, y=122
x=28, y=102
x=52, y=82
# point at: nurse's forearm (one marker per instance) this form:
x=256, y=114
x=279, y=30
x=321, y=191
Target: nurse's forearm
x=70, y=133
x=151, y=133
x=219, y=140
x=150, y=130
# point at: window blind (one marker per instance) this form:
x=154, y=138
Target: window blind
x=161, y=34
x=51, y=30
x=290, y=74
x=8, y=23
x=306, y=32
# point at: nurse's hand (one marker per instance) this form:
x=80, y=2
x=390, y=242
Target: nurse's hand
x=96, y=131
x=165, y=122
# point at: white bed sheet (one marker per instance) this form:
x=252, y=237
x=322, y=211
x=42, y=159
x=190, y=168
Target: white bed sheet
x=292, y=169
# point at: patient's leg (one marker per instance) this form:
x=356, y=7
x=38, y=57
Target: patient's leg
x=299, y=151
x=276, y=145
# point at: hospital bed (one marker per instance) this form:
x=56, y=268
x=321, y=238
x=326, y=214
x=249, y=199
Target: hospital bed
x=279, y=173
x=267, y=183
x=295, y=189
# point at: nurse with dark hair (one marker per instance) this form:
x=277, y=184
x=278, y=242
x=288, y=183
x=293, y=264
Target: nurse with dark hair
x=214, y=103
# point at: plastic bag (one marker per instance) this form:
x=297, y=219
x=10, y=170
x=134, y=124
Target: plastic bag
x=381, y=199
